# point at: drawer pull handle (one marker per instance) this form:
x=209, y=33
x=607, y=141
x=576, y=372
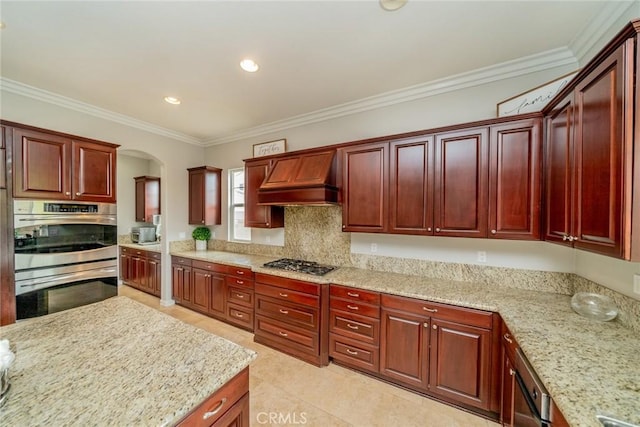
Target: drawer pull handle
x=239, y=315
x=240, y=282
x=240, y=272
x=353, y=294
x=350, y=326
x=355, y=353
x=214, y=411
x=283, y=295
x=284, y=311
x=507, y=338
x=430, y=310
x=284, y=334
x=352, y=307
x=239, y=296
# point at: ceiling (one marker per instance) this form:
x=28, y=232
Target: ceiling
x=125, y=57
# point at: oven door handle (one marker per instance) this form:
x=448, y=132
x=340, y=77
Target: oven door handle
x=530, y=403
x=70, y=219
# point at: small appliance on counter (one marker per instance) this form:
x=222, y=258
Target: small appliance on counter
x=144, y=234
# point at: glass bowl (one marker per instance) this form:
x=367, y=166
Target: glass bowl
x=594, y=306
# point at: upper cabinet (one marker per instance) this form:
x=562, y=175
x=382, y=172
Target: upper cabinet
x=147, y=198
x=3, y=158
x=480, y=181
x=59, y=167
x=590, y=173
x=205, y=196
x=255, y=215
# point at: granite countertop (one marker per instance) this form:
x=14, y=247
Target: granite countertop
x=589, y=367
x=147, y=247
x=116, y=362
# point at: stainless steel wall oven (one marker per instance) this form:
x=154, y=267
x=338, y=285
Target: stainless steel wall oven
x=65, y=255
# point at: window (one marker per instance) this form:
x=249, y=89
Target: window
x=237, y=230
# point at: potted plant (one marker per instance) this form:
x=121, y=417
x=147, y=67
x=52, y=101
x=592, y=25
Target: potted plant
x=201, y=235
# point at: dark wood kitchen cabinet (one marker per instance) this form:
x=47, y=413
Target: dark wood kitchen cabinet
x=259, y=216
x=441, y=350
x=181, y=279
x=515, y=180
x=147, y=198
x=291, y=316
x=209, y=289
x=205, y=196
x=141, y=269
x=365, y=187
x=60, y=167
x=354, y=328
x=3, y=157
x=240, y=297
x=461, y=183
x=591, y=171
x=509, y=346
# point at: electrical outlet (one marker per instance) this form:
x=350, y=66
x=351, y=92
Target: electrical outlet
x=482, y=256
x=636, y=283
x=374, y=247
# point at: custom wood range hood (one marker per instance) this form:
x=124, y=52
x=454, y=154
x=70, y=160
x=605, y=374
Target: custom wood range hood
x=305, y=178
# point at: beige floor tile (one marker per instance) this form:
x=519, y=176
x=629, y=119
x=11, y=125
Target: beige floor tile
x=286, y=391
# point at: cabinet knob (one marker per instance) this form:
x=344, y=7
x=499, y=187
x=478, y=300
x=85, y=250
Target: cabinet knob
x=68, y=193
x=437, y=230
x=425, y=324
x=575, y=239
x=78, y=193
x=428, y=228
x=267, y=224
x=494, y=231
x=512, y=372
x=203, y=221
x=435, y=326
x=344, y=226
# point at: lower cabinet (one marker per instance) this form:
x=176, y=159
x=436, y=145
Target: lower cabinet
x=229, y=406
x=291, y=316
x=445, y=351
x=141, y=269
x=220, y=291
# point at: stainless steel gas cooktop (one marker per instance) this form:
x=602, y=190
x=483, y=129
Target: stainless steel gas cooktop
x=300, y=266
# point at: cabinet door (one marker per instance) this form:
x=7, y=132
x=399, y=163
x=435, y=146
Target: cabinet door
x=217, y=294
x=514, y=180
x=41, y=165
x=508, y=389
x=558, y=175
x=201, y=286
x=177, y=282
x=147, y=198
x=460, y=367
x=257, y=216
x=237, y=415
x=365, y=189
x=404, y=348
x=205, y=198
x=125, y=267
x=461, y=177
x=3, y=157
x=411, y=186
x=94, y=172
x=154, y=277
x=598, y=158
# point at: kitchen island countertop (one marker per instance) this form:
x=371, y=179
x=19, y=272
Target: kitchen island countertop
x=589, y=367
x=116, y=362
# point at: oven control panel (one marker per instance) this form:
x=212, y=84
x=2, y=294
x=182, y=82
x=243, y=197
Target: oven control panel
x=70, y=207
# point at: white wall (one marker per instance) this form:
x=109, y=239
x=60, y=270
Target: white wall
x=128, y=168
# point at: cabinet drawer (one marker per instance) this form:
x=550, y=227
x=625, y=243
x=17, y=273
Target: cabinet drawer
x=300, y=315
x=180, y=260
x=356, y=308
x=219, y=402
x=354, y=294
x=287, y=295
x=154, y=255
x=237, y=281
x=291, y=284
x=210, y=266
x=240, y=315
x=467, y=316
x=286, y=334
x=357, y=327
x=240, y=272
x=240, y=296
x=354, y=353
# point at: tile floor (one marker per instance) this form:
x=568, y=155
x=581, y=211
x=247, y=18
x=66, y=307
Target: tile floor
x=289, y=392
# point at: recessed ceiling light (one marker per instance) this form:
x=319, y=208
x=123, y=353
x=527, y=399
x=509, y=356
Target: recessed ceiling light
x=172, y=100
x=392, y=5
x=249, y=65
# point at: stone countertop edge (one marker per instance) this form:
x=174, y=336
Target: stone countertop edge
x=589, y=367
x=149, y=248
x=115, y=362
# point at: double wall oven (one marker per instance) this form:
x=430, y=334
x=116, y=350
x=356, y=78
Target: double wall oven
x=65, y=255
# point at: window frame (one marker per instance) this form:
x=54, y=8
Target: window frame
x=232, y=184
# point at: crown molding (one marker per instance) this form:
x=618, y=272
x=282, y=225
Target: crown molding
x=514, y=68
x=22, y=89
x=598, y=26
